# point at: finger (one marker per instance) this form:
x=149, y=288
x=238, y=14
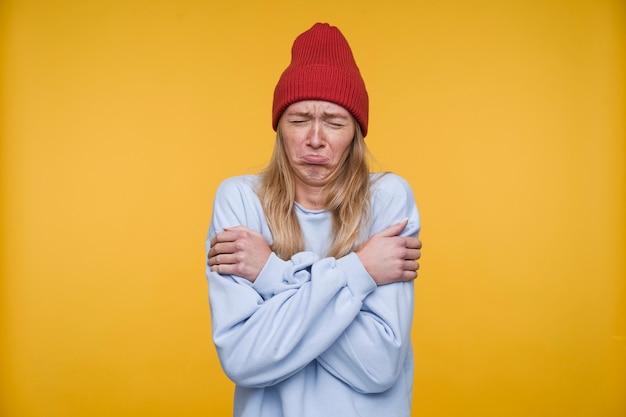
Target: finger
x=413, y=254
x=409, y=275
x=394, y=229
x=224, y=269
x=221, y=269
x=227, y=247
x=411, y=266
x=413, y=243
x=220, y=237
x=213, y=260
x=227, y=235
x=223, y=259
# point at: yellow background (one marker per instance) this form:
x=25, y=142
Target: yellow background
x=119, y=118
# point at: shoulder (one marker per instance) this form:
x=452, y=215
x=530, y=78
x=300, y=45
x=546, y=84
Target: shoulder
x=238, y=193
x=388, y=185
x=238, y=185
x=237, y=204
x=392, y=201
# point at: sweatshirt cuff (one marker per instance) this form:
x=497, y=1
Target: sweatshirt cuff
x=358, y=280
x=270, y=277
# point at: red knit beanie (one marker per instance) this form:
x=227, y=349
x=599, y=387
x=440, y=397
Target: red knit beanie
x=322, y=68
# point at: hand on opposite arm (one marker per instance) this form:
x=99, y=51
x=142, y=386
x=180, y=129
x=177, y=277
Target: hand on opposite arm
x=390, y=258
x=239, y=251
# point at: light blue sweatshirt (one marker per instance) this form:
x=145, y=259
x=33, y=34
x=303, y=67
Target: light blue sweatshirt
x=314, y=336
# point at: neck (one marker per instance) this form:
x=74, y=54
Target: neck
x=309, y=197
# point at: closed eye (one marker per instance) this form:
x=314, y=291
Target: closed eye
x=335, y=124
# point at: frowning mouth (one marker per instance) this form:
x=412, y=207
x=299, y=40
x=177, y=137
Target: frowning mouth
x=315, y=159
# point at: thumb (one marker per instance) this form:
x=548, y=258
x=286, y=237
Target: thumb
x=395, y=229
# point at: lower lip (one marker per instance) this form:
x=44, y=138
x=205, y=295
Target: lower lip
x=316, y=160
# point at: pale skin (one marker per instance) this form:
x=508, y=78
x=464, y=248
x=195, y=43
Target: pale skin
x=317, y=136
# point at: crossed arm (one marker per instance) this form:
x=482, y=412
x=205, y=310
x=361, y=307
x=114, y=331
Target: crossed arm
x=386, y=256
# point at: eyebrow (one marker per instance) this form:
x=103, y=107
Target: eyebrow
x=335, y=115
x=298, y=113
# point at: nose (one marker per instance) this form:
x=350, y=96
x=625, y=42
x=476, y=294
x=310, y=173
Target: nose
x=315, y=138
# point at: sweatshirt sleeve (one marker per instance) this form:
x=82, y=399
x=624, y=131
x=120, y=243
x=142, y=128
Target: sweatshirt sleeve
x=370, y=354
x=267, y=333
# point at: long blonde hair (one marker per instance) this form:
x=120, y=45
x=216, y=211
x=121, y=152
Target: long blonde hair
x=346, y=196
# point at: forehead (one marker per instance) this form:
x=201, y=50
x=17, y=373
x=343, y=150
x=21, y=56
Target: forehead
x=317, y=107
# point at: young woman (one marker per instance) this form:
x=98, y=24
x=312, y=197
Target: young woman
x=311, y=263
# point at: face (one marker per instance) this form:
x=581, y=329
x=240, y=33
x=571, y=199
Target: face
x=317, y=137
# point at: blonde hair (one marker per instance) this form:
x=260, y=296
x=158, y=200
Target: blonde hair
x=346, y=196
